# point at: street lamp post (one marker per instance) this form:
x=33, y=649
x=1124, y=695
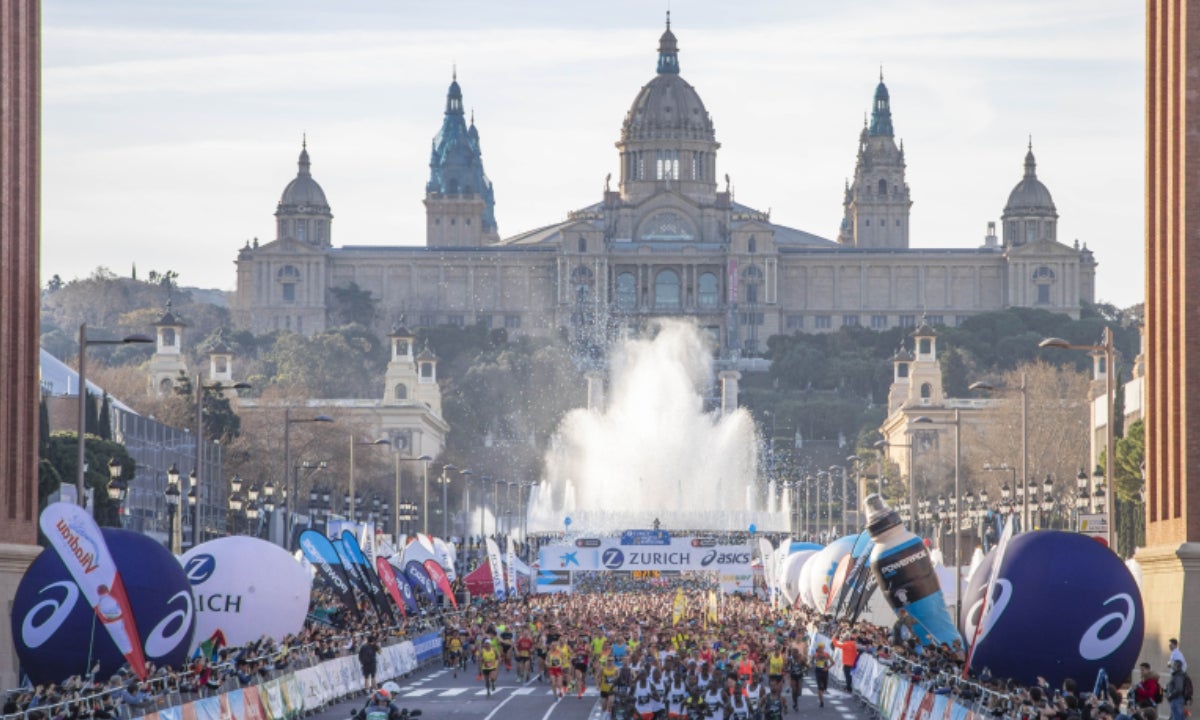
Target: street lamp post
x=292, y=497
x=353, y=443
x=1109, y=352
x=1024, y=390
x=808, y=483
x=117, y=488
x=196, y=477
x=172, y=496
x=84, y=342
x=444, y=481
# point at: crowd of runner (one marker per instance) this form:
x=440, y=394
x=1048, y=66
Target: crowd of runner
x=659, y=651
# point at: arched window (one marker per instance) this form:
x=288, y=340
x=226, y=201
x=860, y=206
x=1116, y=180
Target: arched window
x=666, y=289
x=882, y=186
x=165, y=385
x=626, y=291
x=926, y=391
x=709, y=293
x=401, y=391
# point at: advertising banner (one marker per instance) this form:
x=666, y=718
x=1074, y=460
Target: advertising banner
x=445, y=557
x=321, y=553
x=367, y=573
x=493, y=553
x=353, y=572
x=76, y=538
x=510, y=561
x=553, y=581
x=683, y=553
x=419, y=578
x=246, y=588
x=438, y=576
x=427, y=646
x=387, y=577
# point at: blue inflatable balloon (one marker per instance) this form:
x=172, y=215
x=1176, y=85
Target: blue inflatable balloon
x=1065, y=607
x=56, y=632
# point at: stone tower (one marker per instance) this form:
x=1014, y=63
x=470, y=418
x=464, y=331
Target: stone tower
x=925, y=372
x=400, y=381
x=877, y=201
x=460, y=205
x=167, y=362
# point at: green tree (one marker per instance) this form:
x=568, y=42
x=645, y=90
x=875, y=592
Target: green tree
x=104, y=424
x=352, y=305
x=62, y=460
x=91, y=414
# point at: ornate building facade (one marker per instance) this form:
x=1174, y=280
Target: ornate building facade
x=668, y=240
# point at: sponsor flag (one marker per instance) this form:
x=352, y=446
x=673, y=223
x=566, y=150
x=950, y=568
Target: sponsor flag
x=438, y=576
x=680, y=607
x=445, y=556
x=1005, y=537
x=493, y=553
x=419, y=578
x=210, y=647
x=712, y=615
x=322, y=554
x=510, y=561
x=366, y=542
x=387, y=577
x=76, y=538
x=367, y=572
x=766, y=554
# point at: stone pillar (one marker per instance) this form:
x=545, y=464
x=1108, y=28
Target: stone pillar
x=1171, y=560
x=20, y=59
x=595, y=390
x=729, y=390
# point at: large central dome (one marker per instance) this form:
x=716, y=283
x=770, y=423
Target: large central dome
x=667, y=107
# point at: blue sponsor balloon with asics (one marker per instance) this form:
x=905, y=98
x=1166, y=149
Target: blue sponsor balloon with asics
x=56, y=631
x=1064, y=607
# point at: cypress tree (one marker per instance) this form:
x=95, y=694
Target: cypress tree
x=104, y=425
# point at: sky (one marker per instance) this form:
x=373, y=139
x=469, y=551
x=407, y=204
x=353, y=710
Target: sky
x=170, y=128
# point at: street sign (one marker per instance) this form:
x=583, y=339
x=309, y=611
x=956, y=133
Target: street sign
x=1094, y=525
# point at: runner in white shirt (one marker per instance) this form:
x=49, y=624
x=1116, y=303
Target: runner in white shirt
x=645, y=703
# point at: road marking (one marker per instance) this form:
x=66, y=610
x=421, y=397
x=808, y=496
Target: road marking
x=419, y=692
x=524, y=691
x=454, y=691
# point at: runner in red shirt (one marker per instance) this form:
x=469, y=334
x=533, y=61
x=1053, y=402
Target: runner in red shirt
x=524, y=655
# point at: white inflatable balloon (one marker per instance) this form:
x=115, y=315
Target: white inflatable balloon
x=824, y=565
x=246, y=588
x=805, y=589
x=790, y=577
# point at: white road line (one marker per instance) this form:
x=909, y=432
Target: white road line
x=524, y=691
x=419, y=692
x=453, y=691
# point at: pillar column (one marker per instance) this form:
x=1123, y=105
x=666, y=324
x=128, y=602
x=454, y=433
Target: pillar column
x=729, y=390
x=20, y=34
x=1171, y=559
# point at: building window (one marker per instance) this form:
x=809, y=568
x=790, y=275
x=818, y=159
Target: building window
x=582, y=244
x=908, y=321
x=882, y=186
x=926, y=391
x=401, y=391
x=427, y=321
x=667, y=167
x=1043, y=294
x=897, y=223
x=924, y=346
x=484, y=320
x=322, y=233
x=427, y=371
x=752, y=245
x=849, y=321
x=299, y=323
x=868, y=223
x=512, y=322
x=1030, y=231
x=752, y=318
x=709, y=294
x=626, y=291
x=822, y=322
x=666, y=289
x=937, y=320
x=288, y=277
x=960, y=319
x=902, y=370
x=879, y=322
x=795, y=322
x=168, y=337
x=455, y=320
x=302, y=230
x=289, y=292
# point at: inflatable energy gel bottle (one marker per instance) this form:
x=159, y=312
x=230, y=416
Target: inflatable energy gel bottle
x=905, y=575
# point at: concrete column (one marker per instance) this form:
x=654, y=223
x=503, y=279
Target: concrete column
x=729, y=390
x=1171, y=560
x=20, y=186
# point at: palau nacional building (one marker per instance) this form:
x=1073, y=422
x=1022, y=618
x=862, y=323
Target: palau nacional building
x=667, y=240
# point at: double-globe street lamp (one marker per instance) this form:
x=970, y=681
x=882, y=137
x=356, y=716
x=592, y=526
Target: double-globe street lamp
x=1023, y=388
x=196, y=477
x=293, y=497
x=84, y=342
x=172, y=495
x=355, y=443
x=1108, y=351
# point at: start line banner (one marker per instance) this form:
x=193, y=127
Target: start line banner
x=683, y=553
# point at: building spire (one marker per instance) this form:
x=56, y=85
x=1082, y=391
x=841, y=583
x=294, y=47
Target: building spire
x=881, y=113
x=304, y=162
x=668, y=51
x=1030, y=162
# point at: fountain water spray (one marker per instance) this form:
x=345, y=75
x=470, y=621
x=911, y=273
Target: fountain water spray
x=653, y=453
